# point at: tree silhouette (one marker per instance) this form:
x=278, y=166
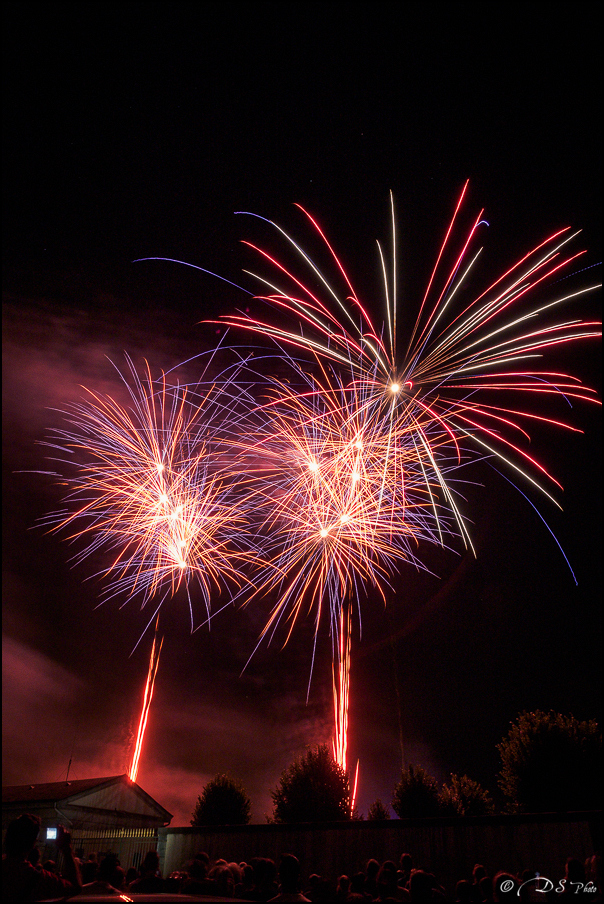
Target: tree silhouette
x=314, y=788
x=465, y=797
x=223, y=802
x=551, y=762
x=416, y=794
x=378, y=811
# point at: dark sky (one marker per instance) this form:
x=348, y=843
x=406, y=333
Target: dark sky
x=137, y=130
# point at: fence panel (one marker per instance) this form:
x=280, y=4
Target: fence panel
x=130, y=845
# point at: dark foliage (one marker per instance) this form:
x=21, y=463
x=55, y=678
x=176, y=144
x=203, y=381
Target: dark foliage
x=223, y=802
x=312, y=789
x=378, y=811
x=416, y=794
x=551, y=762
x=465, y=797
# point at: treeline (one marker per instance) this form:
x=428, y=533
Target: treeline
x=550, y=763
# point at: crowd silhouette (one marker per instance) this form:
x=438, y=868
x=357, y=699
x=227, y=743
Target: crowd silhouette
x=26, y=879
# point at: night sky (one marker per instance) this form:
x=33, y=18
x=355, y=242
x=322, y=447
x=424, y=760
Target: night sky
x=138, y=130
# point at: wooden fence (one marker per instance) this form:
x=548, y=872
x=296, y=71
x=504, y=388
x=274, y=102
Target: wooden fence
x=447, y=847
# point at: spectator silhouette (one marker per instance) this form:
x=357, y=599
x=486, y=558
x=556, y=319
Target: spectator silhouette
x=574, y=877
x=150, y=881
x=21, y=881
x=485, y=890
x=593, y=874
x=197, y=881
x=33, y=857
x=247, y=880
x=387, y=884
x=131, y=875
x=478, y=874
x=342, y=889
x=289, y=880
x=237, y=875
x=405, y=867
x=371, y=870
x=357, y=888
x=222, y=877
x=89, y=869
x=110, y=877
x=423, y=887
x=319, y=890
x=265, y=886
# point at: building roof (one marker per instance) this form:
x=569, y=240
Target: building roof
x=114, y=796
x=53, y=790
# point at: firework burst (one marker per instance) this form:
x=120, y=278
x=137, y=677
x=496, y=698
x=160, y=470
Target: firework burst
x=471, y=362
x=343, y=491
x=368, y=447
x=146, y=488
x=341, y=470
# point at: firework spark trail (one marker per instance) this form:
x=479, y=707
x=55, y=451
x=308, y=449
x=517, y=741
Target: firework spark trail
x=341, y=694
x=147, y=697
x=341, y=686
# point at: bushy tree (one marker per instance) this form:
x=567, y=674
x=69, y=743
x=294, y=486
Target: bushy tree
x=378, y=811
x=312, y=789
x=551, y=762
x=465, y=797
x=416, y=794
x=223, y=802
